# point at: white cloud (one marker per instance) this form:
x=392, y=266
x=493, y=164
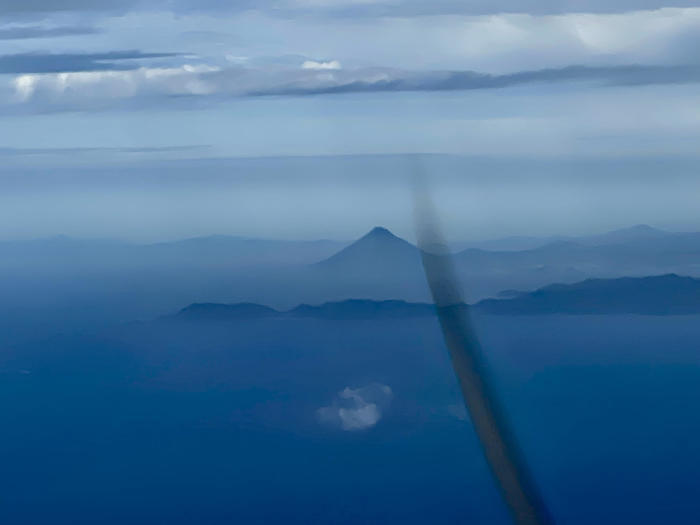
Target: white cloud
x=88, y=86
x=25, y=85
x=494, y=43
x=312, y=64
x=357, y=408
x=162, y=85
x=236, y=59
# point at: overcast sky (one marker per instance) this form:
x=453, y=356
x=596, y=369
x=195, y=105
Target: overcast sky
x=86, y=84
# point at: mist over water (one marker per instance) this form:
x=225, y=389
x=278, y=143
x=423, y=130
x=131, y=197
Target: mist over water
x=342, y=197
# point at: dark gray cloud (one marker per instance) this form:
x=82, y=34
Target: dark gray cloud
x=26, y=32
x=349, y=8
x=394, y=80
x=606, y=75
x=39, y=6
x=486, y=7
x=73, y=62
x=22, y=152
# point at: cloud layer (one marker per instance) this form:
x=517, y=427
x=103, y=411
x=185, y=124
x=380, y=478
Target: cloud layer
x=74, y=62
x=346, y=7
x=454, y=53
x=539, y=77
x=20, y=32
x=115, y=83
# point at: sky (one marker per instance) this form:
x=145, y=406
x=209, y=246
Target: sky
x=93, y=88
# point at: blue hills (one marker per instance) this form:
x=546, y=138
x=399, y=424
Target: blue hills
x=68, y=282
x=668, y=294
x=349, y=309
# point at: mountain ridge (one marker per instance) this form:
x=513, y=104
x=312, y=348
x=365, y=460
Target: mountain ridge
x=348, y=309
x=374, y=250
x=668, y=294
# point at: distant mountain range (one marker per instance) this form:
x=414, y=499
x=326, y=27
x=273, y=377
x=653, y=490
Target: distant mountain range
x=657, y=295
x=382, y=258
x=633, y=234
x=213, y=250
x=348, y=309
x=376, y=252
x=63, y=279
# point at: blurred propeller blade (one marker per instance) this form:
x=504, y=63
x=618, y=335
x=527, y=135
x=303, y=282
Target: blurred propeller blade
x=499, y=445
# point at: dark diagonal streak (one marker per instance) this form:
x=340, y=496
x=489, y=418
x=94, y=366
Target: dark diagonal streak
x=499, y=445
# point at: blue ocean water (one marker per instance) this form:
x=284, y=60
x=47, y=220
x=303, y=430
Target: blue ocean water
x=171, y=422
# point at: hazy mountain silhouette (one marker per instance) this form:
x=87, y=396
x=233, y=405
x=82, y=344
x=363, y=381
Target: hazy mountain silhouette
x=657, y=295
x=339, y=310
x=364, y=309
x=377, y=251
x=380, y=261
x=240, y=251
x=636, y=233
x=210, y=251
x=379, y=265
x=215, y=311
x=66, y=282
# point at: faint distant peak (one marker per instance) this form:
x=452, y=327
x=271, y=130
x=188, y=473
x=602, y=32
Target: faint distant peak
x=379, y=236
x=378, y=248
x=379, y=232
x=640, y=229
x=636, y=233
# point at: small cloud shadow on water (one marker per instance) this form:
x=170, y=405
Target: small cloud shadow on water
x=458, y=411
